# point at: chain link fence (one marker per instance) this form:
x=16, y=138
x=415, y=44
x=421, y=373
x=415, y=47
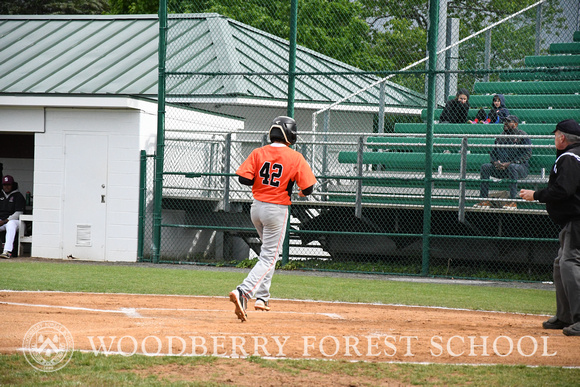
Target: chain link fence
x=397, y=192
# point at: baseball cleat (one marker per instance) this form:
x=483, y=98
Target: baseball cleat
x=240, y=302
x=6, y=255
x=262, y=305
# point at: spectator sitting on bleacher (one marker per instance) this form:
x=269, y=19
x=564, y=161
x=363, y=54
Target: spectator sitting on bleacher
x=455, y=111
x=497, y=114
x=507, y=162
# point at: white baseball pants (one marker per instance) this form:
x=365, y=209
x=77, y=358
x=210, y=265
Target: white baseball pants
x=11, y=227
x=270, y=222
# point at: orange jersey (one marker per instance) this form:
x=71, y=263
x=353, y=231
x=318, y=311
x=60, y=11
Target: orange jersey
x=274, y=169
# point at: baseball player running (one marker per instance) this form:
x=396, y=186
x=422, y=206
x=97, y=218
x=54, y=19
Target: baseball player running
x=272, y=171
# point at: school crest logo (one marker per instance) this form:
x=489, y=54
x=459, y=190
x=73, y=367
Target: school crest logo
x=48, y=346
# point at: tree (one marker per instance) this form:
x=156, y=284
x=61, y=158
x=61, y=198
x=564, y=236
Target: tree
x=334, y=28
x=137, y=7
x=372, y=35
x=399, y=31
x=41, y=7
x=378, y=35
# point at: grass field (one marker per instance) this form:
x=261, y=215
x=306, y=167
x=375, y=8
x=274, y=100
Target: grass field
x=75, y=277
x=87, y=369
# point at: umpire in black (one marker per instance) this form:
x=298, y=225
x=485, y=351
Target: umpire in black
x=562, y=198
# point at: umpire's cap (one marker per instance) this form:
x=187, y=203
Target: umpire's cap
x=568, y=126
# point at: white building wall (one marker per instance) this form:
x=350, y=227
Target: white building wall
x=122, y=127
x=130, y=126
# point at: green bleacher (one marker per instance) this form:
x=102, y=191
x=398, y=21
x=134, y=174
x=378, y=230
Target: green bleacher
x=527, y=87
x=547, y=74
x=565, y=48
x=542, y=101
x=465, y=129
x=527, y=115
x=552, y=61
x=540, y=97
x=440, y=144
x=449, y=162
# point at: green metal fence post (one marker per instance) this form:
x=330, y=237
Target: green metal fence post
x=432, y=47
x=462, y=176
x=292, y=57
x=290, y=108
x=142, y=192
x=160, y=132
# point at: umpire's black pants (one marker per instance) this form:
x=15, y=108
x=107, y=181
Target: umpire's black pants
x=567, y=274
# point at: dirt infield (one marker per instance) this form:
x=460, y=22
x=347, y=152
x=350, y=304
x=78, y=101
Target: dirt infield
x=189, y=326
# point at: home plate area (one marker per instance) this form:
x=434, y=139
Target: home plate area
x=159, y=325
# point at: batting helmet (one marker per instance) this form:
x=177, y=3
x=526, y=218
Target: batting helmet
x=283, y=129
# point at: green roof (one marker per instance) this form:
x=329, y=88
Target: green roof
x=118, y=55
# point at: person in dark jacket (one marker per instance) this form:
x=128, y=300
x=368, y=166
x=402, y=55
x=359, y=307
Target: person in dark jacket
x=455, y=111
x=12, y=205
x=497, y=114
x=507, y=162
x=562, y=198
